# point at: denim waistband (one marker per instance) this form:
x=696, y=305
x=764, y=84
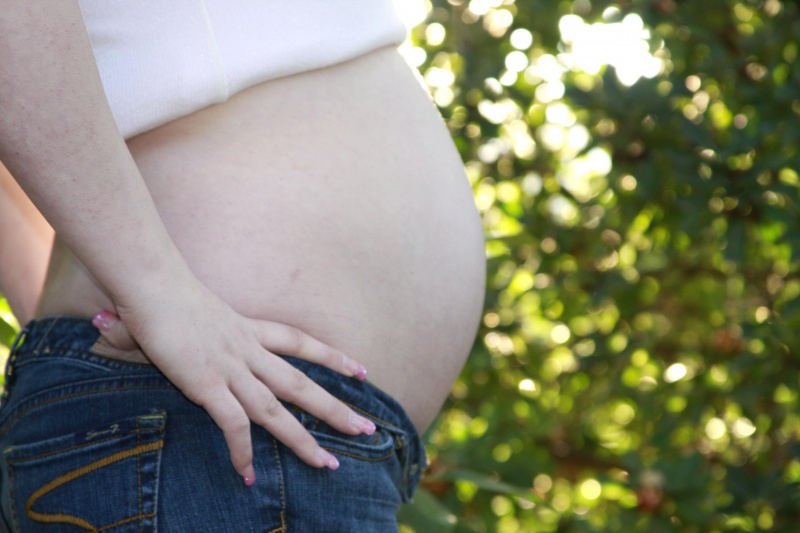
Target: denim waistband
x=73, y=337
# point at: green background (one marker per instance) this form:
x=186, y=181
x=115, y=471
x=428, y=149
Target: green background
x=636, y=366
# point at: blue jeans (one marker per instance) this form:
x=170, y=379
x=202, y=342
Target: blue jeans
x=91, y=443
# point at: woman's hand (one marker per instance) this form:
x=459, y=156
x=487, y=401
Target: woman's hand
x=226, y=363
x=59, y=139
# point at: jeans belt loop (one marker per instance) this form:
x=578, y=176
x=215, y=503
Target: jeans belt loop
x=12, y=355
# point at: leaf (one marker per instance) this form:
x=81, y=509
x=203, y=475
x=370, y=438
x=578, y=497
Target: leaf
x=489, y=484
x=426, y=513
x=7, y=333
x=734, y=250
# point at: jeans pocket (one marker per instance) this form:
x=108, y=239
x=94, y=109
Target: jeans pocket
x=97, y=479
x=368, y=487
x=379, y=446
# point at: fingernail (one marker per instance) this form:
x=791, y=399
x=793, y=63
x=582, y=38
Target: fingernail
x=361, y=373
x=249, y=476
x=328, y=460
x=357, y=370
x=104, y=320
x=364, y=426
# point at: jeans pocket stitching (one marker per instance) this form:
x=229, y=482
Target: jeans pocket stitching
x=279, y=470
x=380, y=447
x=154, y=444
x=72, y=475
x=388, y=425
x=31, y=403
x=62, y=450
x=13, y=502
x=356, y=456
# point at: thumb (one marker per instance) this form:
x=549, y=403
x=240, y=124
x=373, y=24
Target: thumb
x=114, y=331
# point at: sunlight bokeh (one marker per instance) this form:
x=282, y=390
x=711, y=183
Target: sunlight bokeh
x=623, y=45
x=412, y=12
x=578, y=187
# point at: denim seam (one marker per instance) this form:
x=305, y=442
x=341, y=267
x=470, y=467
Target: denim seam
x=25, y=411
x=139, y=470
x=56, y=352
x=367, y=413
x=126, y=520
x=59, y=451
x=46, y=333
x=14, y=512
x=279, y=470
x=402, y=457
x=10, y=364
x=75, y=474
x=356, y=456
x=373, y=443
x=69, y=449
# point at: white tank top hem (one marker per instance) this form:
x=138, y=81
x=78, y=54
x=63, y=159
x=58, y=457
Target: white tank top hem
x=163, y=59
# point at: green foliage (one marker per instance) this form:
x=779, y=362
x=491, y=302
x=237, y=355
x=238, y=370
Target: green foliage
x=8, y=330
x=636, y=369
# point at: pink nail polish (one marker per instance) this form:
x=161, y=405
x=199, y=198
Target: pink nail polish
x=360, y=373
x=249, y=480
x=329, y=460
x=104, y=320
x=368, y=427
x=362, y=424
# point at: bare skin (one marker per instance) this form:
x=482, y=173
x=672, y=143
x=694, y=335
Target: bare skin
x=25, y=242
x=307, y=216
x=332, y=201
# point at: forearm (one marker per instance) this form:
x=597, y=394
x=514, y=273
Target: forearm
x=60, y=141
x=25, y=243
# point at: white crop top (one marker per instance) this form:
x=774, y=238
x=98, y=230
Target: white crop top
x=163, y=59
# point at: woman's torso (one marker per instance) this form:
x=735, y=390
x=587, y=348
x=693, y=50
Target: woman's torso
x=331, y=200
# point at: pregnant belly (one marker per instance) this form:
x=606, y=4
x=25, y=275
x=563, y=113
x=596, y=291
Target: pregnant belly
x=333, y=201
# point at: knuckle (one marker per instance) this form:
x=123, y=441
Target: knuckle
x=331, y=358
x=208, y=394
x=272, y=408
x=305, y=443
x=298, y=382
x=200, y=397
x=341, y=357
x=297, y=339
x=334, y=411
x=301, y=442
x=236, y=423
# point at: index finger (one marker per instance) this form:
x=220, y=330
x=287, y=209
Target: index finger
x=264, y=408
x=231, y=418
x=289, y=340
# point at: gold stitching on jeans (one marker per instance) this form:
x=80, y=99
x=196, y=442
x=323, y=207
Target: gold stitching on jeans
x=139, y=470
x=126, y=520
x=282, y=527
x=61, y=518
x=351, y=406
x=361, y=457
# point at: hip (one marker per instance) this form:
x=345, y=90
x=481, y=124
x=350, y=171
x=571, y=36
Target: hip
x=333, y=201
x=90, y=441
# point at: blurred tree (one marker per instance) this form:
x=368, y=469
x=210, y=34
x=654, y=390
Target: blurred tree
x=636, y=167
